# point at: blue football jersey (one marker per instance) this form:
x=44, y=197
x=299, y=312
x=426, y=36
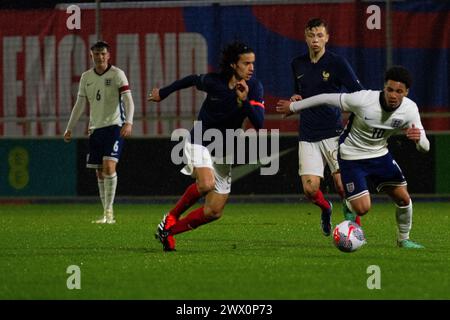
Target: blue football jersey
x=331, y=74
x=220, y=109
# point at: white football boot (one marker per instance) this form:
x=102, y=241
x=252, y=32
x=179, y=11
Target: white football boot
x=108, y=217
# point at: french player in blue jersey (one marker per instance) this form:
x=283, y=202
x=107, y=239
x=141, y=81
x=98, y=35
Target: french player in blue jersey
x=321, y=71
x=233, y=95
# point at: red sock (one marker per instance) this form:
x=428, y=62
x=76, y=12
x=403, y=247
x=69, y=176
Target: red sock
x=358, y=220
x=193, y=220
x=319, y=200
x=190, y=196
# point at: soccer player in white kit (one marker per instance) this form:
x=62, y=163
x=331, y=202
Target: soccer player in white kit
x=106, y=89
x=363, y=152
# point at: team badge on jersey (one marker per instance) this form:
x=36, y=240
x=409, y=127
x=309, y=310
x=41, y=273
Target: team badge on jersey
x=325, y=75
x=350, y=187
x=108, y=82
x=396, y=123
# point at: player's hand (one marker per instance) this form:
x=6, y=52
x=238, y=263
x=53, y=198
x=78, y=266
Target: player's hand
x=283, y=107
x=413, y=133
x=126, y=130
x=154, y=95
x=67, y=135
x=242, y=90
x=296, y=97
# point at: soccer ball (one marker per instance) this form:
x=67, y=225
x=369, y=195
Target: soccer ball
x=348, y=236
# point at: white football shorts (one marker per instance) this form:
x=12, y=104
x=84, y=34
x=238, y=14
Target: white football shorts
x=313, y=156
x=198, y=156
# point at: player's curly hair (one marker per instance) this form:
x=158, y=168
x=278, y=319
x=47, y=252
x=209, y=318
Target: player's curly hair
x=230, y=55
x=399, y=74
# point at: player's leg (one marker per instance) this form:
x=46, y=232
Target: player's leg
x=94, y=161
x=101, y=186
x=360, y=205
x=329, y=149
x=110, y=184
x=212, y=210
x=311, y=189
x=311, y=167
x=353, y=177
x=348, y=214
x=403, y=214
x=199, y=166
x=171, y=225
x=389, y=178
x=204, y=183
x=112, y=149
x=215, y=201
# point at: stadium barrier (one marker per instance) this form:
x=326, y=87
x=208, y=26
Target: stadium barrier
x=52, y=168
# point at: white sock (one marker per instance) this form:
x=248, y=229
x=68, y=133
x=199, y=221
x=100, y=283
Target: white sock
x=404, y=220
x=101, y=191
x=349, y=205
x=110, y=190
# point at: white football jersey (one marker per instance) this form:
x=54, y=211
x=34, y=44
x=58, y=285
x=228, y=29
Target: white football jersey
x=368, y=129
x=103, y=93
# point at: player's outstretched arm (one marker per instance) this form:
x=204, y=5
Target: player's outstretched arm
x=284, y=107
x=154, y=95
x=159, y=94
x=287, y=107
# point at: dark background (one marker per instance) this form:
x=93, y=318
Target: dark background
x=145, y=169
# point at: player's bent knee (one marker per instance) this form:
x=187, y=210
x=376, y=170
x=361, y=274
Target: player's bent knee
x=361, y=210
x=109, y=171
x=213, y=213
x=205, y=186
x=403, y=202
x=358, y=207
x=310, y=192
x=216, y=215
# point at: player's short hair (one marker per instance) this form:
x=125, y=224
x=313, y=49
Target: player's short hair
x=399, y=74
x=231, y=54
x=316, y=22
x=100, y=45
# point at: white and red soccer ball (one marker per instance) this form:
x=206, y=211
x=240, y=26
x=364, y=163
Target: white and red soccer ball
x=348, y=236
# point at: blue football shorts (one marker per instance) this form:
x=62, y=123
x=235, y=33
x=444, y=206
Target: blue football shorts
x=104, y=144
x=381, y=171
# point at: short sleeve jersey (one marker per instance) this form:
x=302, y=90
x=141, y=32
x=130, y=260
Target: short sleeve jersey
x=103, y=92
x=370, y=126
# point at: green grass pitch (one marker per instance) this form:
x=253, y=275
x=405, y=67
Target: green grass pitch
x=256, y=251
